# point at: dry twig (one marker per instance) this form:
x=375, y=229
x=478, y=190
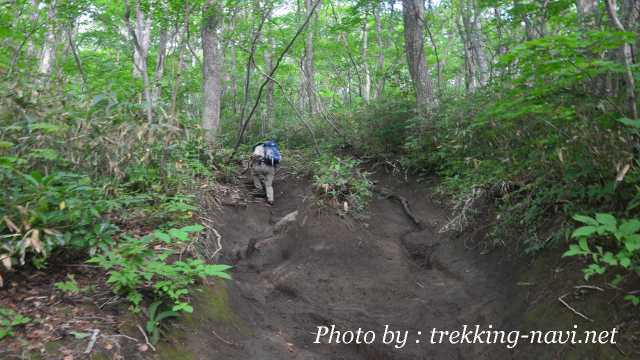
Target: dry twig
x=561, y=299
x=146, y=339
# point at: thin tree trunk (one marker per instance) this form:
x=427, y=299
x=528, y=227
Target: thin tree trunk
x=162, y=54
x=380, y=64
x=141, y=64
x=366, y=84
x=267, y=111
x=413, y=11
x=211, y=58
x=435, y=52
x=627, y=58
x=34, y=20
x=250, y=61
x=308, y=69
x=143, y=38
x=471, y=23
x=178, y=71
x=176, y=82
x=76, y=58
x=47, y=57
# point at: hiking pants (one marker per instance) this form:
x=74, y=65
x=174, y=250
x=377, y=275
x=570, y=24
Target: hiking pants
x=265, y=173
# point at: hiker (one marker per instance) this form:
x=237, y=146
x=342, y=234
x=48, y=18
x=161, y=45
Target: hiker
x=264, y=160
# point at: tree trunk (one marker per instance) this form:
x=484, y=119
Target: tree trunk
x=162, y=53
x=308, y=71
x=587, y=12
x=211, y=66
x=413, y=12
x=48, y=54
x=34, y=20
x=469, y=78
x=178, y=71
x=143, y=36
x=267, y=111
x=176, y=82
x=76, y=57
x=471, y=22
x=140, y=64
x=366, y=83
x=234, y=80
x=380, y=64
x=627, y=59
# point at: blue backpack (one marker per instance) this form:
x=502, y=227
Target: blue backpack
x=271, y=153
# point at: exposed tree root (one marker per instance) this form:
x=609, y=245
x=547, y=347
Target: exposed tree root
x=405, y=205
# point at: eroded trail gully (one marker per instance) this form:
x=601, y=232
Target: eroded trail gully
x=298, y=266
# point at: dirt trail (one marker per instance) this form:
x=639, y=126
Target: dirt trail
x=324, y=269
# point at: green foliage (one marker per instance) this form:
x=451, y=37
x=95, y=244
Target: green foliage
x=9, y=319
x=609, y=244
x=621, y=252
x=138, y=264
x=69, y=287
x=341, y=181
x=154, y=320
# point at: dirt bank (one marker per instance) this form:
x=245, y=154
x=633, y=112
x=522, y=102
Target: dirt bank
x=322, y=269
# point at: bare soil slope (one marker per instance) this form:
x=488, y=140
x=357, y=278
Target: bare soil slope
x=322, y=269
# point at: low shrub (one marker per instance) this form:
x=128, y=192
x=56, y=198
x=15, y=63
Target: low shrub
x=341, y=181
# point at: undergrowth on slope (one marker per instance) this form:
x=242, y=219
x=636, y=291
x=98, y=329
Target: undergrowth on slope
x=74, y=184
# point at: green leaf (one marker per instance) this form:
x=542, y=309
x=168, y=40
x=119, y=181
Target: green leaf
x=192, y=228
x=584, y=245
x=585, y=219
x=179, y=234
x=164, y=237
x=606, y=219
x=584, y=231
x=574, y=250
x=80, y=335
x=635, y=300
x=45, y=127
x=183, y=307
x=630, y=123
x=625, y=262
x=630, y=226
x=609, y=259
x=632, y=243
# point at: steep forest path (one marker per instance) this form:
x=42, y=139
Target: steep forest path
x=322, y=269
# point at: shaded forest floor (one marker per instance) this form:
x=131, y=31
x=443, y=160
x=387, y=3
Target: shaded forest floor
x=300, y=264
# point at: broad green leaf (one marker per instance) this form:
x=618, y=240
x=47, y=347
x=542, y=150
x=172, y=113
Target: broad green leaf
x=164, y=237
x=179, y=234
x=609, y=259
x=573, y=251
x=630, y=123
x=606, y=219
x=629, y=227
x=632, y=243
x=192, y=228
x=585, y=219
x=584, y=231
x=625, y=262
x=584, y=245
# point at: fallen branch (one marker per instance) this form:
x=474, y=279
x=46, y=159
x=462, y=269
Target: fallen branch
x=561, y=299
x=592, y=287
x=146, y=339
x=92, y=342
x=221, y=339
